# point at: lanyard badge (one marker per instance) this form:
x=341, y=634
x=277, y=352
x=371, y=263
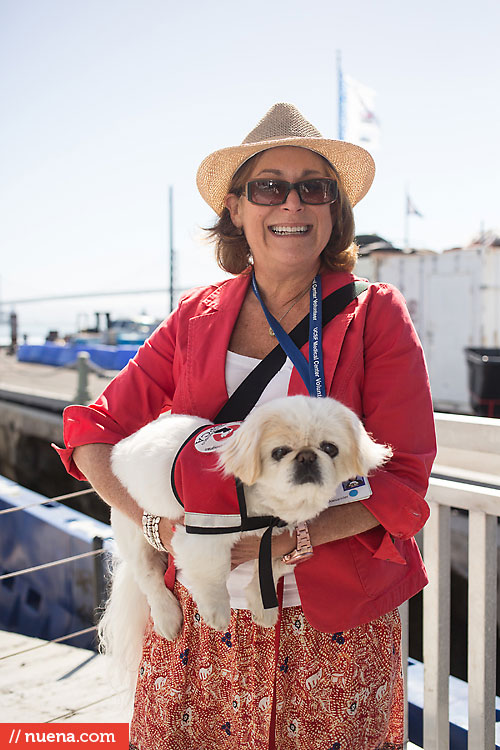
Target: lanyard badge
x=311, y=372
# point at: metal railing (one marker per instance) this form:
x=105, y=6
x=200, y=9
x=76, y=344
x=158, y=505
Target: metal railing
x=483, y=505
x=475, y=445
x=97, y=553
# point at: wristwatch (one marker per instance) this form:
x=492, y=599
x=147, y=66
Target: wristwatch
x=303, y=550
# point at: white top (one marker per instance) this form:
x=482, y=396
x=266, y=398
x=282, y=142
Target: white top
x=237, y=369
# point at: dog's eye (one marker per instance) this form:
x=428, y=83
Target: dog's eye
x=278, y=453
x=329, y=448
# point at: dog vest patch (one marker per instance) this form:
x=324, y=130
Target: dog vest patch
x=212, y=502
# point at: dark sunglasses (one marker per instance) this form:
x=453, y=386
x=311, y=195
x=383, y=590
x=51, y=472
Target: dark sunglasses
x=275, y=192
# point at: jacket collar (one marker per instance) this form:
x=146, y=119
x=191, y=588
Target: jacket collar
x=234, y=289
x=212, y=331
x=228, y=295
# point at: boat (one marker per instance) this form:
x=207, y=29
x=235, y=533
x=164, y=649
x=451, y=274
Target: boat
x=110, y=347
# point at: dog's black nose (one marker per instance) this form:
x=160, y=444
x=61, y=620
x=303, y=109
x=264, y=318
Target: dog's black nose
x=306, y=467
x=306, y=457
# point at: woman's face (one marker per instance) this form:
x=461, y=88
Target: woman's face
x=289, y=237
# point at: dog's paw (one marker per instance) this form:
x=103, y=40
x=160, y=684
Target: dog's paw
x=167, y=620
x=266, y=618
x=218, y=617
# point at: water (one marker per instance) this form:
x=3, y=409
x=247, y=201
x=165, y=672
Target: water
x=35, y=320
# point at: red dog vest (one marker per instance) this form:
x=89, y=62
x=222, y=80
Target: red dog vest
x=211, y=501
x=215, y=504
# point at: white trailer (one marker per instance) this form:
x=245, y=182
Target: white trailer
x=454, y=301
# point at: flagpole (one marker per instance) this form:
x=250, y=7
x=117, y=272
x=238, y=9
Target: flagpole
x=171, y=244
x=340, y=95
x=407, y=223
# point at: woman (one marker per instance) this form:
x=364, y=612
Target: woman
x=329, y=675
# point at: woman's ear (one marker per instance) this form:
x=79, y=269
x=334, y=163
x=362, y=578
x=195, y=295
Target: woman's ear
x=232, y=203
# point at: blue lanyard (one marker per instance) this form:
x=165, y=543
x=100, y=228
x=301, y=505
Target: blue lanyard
x=311, y=372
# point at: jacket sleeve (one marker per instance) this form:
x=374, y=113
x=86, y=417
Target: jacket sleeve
x=137, y=395
x=397, y=410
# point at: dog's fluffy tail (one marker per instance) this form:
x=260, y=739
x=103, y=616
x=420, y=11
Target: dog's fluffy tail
x=121, y=628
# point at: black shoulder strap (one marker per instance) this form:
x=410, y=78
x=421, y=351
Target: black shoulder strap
x=249, y=391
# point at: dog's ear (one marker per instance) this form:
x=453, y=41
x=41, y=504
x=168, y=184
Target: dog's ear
x=240, y=454
x=369, y=455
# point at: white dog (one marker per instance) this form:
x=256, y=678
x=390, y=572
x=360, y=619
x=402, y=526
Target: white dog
x=291, y=454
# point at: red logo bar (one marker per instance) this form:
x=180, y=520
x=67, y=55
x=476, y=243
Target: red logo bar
x=64, y=736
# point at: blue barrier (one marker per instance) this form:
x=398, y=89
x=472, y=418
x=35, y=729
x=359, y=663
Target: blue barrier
x=59, y=600
x=61, y=355
x=458, y=697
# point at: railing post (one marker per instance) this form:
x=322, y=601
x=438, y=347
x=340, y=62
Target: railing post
x=405, y=620
x=437, y=629
x=82, y=393
x=99, y=579
x=482, y=629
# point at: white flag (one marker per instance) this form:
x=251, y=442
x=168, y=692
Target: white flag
x=361, y=124
x=410, y=208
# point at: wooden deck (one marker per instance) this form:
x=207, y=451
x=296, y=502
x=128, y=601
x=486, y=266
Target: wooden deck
x=53, y=682
x=45, y=380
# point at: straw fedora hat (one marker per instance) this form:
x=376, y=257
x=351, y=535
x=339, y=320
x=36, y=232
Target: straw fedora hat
x=284, y=125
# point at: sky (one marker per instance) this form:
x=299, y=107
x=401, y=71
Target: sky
x=105, y=104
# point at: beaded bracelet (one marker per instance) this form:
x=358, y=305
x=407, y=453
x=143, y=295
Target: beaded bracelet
x=150, y=525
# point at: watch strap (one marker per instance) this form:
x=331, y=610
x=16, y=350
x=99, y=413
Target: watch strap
x=303, y=549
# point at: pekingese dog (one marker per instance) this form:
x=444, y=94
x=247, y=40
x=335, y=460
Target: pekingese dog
x=290, y=454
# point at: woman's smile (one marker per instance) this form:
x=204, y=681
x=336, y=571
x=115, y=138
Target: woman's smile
x=289, y=230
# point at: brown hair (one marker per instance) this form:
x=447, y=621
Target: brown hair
x=233, y=253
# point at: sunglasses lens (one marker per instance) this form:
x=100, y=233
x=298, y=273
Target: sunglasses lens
x=267, y=192
x=275, y=192
x=318, y=191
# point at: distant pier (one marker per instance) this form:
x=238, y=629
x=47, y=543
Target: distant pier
x=32, y=399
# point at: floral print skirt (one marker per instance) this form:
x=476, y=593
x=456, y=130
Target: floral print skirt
x=283, y=688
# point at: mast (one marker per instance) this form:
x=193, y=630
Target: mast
x=171, y=243
x=340, y=96
x=406, y=241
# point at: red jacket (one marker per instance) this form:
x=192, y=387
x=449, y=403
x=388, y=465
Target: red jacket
x=373, y=363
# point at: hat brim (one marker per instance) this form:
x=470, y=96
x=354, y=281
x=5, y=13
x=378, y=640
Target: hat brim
x=354, y=165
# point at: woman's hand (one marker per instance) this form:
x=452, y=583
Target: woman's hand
x=248, y=547
x=332, y=524
x=166, y=530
